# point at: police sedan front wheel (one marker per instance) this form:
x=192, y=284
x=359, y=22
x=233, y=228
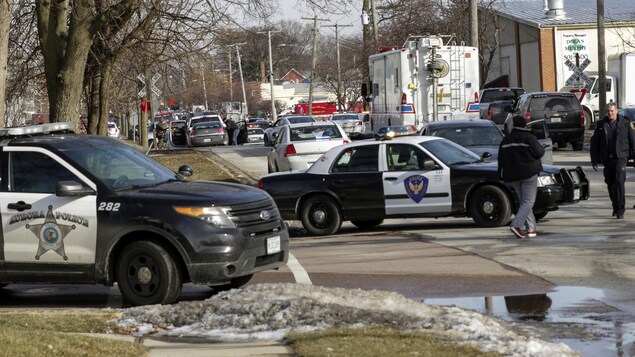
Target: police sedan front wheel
x=489, y=207
x=320, y=215
x=147, y=274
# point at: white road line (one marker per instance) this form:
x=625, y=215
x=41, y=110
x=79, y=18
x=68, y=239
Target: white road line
x=300, y=275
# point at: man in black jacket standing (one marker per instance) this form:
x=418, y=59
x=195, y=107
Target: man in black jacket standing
x=612, y=143
x=518, y=166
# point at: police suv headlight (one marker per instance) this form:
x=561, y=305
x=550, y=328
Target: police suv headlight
x=215, y=216
x=546, y=180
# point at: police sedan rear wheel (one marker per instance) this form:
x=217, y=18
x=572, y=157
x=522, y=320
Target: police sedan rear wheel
x=147, y=274
x=489, y=207
x=320, y=215
x=368, y=224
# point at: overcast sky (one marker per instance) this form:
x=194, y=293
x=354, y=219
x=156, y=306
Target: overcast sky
x=289, y=9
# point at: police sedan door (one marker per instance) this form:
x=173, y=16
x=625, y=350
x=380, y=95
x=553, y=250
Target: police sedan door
x=414, y=183
x=38, y=225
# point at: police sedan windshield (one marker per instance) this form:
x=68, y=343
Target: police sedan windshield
x=450, y=153
x=121, y=167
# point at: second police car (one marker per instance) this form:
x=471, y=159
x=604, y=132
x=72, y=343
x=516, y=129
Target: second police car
x=415, y=176
x=90, y=209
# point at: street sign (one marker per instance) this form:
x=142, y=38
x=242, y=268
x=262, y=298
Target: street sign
x=579, y=93
x=142, y=93
x=578, y=77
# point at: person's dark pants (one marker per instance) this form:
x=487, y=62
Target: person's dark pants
x=614, y=177
x=230, y=137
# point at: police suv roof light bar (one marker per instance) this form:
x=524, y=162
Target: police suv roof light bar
x=41, y=129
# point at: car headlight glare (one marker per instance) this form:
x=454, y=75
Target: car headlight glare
x=215, y=216
x=546, y=180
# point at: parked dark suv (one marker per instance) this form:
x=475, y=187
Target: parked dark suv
x=560, y=110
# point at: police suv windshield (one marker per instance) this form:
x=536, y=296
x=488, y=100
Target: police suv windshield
x=450, y=153
x=121, y=167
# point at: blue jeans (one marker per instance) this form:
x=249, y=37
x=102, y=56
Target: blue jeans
x=526, y=190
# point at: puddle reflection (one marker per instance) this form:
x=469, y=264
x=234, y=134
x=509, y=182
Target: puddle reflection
x=583, y=318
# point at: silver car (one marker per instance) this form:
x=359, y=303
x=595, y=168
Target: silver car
x=207, y=133
x=350, y=123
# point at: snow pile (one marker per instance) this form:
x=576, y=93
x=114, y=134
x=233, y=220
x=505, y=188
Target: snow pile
x=269, y=311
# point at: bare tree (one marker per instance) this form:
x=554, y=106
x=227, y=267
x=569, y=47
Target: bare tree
x=5, y=17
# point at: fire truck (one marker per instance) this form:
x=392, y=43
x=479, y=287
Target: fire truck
x=424, y=80
x=321, y=110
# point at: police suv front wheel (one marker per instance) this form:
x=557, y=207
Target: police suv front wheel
x=147, y=274
x=489, y=207
x=320, y=215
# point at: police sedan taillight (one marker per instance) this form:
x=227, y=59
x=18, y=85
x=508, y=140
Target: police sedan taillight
x=290, y=150
x=582, y=118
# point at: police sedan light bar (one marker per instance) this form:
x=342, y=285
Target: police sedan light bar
x=35, y=129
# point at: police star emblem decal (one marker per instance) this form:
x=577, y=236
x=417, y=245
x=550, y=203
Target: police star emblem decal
x=51, y=235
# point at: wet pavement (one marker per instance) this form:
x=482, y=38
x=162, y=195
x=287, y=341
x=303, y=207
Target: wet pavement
x=583, y=318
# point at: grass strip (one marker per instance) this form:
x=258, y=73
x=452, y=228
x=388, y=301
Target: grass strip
x=53, y=334
x=378, y=341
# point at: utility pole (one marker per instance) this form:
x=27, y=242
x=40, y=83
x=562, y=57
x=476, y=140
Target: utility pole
x=242, y=80
x=373, y=9
x=313, y=59
x=366, y=48
x=204, y=87
x=231, y=84
x=601, y=59
x=474, y=23
x=339, y=69
x=274, y=114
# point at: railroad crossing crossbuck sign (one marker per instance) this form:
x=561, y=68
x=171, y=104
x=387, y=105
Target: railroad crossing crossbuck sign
x=142, y=93
x=578, y=76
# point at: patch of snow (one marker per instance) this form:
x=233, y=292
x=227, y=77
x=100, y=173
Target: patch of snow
x=269, y=311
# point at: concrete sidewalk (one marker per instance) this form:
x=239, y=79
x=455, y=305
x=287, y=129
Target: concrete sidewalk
x=158, y=348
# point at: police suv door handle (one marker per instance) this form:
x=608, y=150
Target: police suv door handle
x=19, y=206
x=390, y=179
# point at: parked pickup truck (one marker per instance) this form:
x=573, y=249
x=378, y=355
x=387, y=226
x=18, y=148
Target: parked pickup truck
x=500, y=97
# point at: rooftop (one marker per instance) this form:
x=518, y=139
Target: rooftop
x=577, y=12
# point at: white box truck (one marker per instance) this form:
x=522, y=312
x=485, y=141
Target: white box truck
x=424, y=80
x=619, y=88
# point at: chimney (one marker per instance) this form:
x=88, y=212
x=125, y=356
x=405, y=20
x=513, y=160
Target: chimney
x=545, y=5
x=556, y=9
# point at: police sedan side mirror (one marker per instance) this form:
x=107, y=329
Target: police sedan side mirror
x=429, y=165
x=186, y=171
x=72, y=189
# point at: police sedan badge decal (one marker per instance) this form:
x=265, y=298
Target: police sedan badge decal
x=51, y=235
x=416, y=187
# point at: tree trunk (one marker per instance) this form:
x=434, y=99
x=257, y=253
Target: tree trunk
x=65, y=51
x=104, y=97
x=93, y=102
x=5, y=19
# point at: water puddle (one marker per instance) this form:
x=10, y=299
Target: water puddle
x=592, y=321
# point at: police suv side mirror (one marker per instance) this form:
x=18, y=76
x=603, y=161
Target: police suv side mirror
x=72, y=189
x=486, y=155
x=186, y=171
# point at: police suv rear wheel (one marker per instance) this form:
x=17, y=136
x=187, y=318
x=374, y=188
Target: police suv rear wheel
x=147, y=274
x=320, y=215
x=489, y=207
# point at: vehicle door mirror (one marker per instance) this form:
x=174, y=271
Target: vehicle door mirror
x=486, y=155
x=186, y=171
x=364, y=90
x=429, y=165
x=72, y=189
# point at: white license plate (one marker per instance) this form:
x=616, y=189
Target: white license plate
x=207, y=140
x=273, y=245
x=576, y=193
x=555, y=120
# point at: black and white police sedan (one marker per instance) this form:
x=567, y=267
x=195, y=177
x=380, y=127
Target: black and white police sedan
x=90, y=209
x=415, y=176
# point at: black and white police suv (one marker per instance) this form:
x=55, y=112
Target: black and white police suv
x=413, y=176
x=90, y=209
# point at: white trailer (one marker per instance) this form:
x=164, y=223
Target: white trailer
x=425, y=80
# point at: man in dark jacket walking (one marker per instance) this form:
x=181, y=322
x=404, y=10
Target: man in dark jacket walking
x=518, y=166
x=612, y=143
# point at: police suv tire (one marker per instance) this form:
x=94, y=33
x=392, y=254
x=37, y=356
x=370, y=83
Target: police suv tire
x=320, y=215
x=489, y=206
x=577, y=145
x=147, y=274
x=368, y=224
x=235, y=283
